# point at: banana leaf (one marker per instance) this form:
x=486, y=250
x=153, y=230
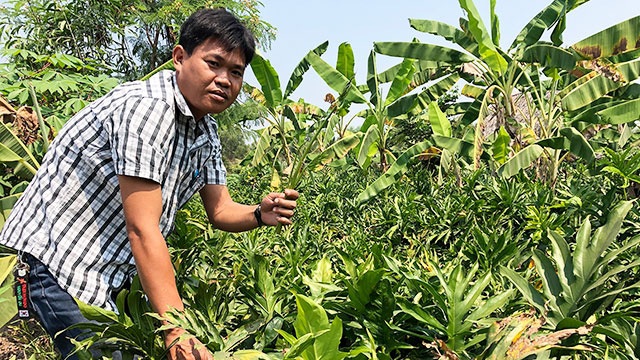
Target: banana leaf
x=336, y=151
x=446, y=31
x=268, y=79
x=500, y=146
x=262, y=146
x=488, y=51
x=415, y=103
x=439, y=122
x=13, y=150
x=614, y=40
x=401, y=81
x=6, y=205
x=425, y=71
x=368, y=146
x=495, y=23
x=545, y=19
x=579, y=146
x=8, y=307
x=593, y=86
x=336, y=80
x=549, y=56
x=621, y=113
x=345, y=63
x=458, y=146
x=520, y=161
x=420, y=51
x=296, y=77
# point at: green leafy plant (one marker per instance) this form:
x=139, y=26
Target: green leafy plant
x=315, y=337
x=580, y=283
x=457, y=317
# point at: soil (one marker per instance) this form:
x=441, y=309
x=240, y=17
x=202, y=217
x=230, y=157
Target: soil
x=21, y=339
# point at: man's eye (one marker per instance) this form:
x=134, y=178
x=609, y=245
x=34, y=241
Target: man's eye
x=213, y=63
x=238, y=73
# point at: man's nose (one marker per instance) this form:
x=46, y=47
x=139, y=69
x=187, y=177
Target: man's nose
x=222, y=79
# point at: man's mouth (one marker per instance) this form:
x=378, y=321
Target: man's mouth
x=219, y=93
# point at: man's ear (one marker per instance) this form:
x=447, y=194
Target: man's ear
x=179, y=54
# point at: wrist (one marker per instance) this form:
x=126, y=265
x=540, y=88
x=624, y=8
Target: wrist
x=257, y=213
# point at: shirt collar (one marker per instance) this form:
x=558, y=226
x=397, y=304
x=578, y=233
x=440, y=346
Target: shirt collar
x=208, y=123
x=180, y=101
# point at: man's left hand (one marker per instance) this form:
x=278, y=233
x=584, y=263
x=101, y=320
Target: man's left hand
x=278, y=208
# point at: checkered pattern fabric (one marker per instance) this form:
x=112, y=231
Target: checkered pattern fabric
x=70, y=216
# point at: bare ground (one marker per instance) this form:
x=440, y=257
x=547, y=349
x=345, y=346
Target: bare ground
x=25, y=338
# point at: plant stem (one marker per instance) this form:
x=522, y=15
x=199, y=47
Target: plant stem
x=44, y=131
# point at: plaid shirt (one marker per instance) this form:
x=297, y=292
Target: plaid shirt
x=70, y=216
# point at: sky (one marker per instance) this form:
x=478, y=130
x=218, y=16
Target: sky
x=302, y=25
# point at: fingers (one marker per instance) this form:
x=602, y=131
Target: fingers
x=291, y=194
x=189, y=349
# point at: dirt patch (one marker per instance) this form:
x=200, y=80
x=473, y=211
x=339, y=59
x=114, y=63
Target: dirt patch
x=25, y=338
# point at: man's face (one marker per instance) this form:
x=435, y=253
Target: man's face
x=210, y=78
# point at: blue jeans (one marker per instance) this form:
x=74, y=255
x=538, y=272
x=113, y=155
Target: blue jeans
x=54, y=307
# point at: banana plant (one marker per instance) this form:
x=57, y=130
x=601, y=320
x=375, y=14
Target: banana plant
x=288, y=122
x=533, y=72
x=581, y=283
x=381, y=111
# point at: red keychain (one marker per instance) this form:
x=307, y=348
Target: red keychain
x=21, y=288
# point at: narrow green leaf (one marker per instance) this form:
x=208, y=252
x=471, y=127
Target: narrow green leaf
x=526, y=289
x=582, y=263
x=419, y=314
x=550, y=281
x=494, y=303
x=606, y=234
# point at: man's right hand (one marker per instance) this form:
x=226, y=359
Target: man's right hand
x=188, y=349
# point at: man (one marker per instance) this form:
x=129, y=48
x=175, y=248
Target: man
x=108, y=189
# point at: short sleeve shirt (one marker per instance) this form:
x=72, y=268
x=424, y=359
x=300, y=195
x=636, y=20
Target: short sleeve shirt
x=70, y=216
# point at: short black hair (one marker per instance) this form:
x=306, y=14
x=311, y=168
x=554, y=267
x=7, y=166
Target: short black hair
x=220, y=25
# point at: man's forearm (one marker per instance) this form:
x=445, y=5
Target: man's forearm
x=156, y=271
x=235, y=217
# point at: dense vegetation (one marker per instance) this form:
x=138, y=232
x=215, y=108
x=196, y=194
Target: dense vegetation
x=504, y=227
